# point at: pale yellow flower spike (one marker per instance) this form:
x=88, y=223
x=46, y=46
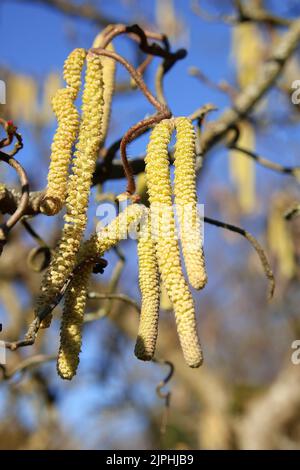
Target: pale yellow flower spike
x=168, y=255
x=75, y=299
x=186, y=202
x=66, y=134
x=109, y=236
x=150, y=290
x=79, y=184
x=109, y=73
x=72, y=319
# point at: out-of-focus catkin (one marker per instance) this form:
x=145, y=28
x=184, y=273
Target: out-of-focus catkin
x=168, y=255
x=150, y=290
x=79, y=184
x=75, y=299
x=109, y=72
x=186, y=202
x=66, y=134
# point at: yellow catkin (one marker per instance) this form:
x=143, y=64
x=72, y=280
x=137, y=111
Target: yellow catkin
x=72, y=319
x=248, y=52
x=279, y=238
x=66, y=134
x=109, y=73
x=150, y=290
x=242, y=169
x=247, y=48
x=52, y=83
x=22, y=99
x=168, y=255
x=75, y=300
x=79, y=184
x=109, y=236
x=186, y=202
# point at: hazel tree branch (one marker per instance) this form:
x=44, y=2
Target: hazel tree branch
x=248, y=98
x=85, y=11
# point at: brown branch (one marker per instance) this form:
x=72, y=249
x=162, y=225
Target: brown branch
x=248, y=98
x=288, y=170
x=244, y=13
x=166, y=396
x=134, y=132
x=112, y=296
x=137, y=77
x=85, y=11
x=222, y=86
x=292, y=212
x=26, y=364
x=21, y=208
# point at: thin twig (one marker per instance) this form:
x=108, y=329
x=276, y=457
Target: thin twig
x=295, y=171
x=26, y=364
x=222, y=86
x=134, y=132
x=244, y=14
x=256, y=245
x=24, y=200
x=137, y=77
x=166, y=396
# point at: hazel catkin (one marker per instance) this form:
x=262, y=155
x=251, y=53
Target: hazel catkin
x=150, y=293
x=72, y=319
x=66, y=133
x=75, y=300
x=186, y=202
x=79, y=184
x=167, y=249
x=109, y=73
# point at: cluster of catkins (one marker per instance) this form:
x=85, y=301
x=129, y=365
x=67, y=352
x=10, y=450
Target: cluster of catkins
x=69, y=184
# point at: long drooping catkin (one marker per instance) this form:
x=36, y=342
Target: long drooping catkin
x=71, y=325
x=75, y=301
x=159, y=188
x=150, y=290
x=109, y=72
x=66, y=134
x=79, y=184
x=186, y=202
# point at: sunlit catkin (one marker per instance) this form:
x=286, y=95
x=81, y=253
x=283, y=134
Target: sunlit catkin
x=109, y=236
x=159, y=188
x=186, y=202
x=150, y=291
x=109, y=72
x=66, y=134
x=72, y=319
x=75, y=300
x=79, y=183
